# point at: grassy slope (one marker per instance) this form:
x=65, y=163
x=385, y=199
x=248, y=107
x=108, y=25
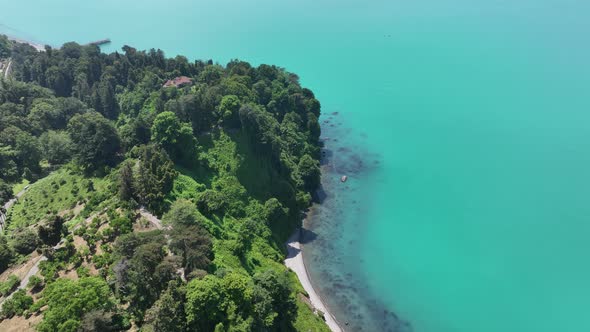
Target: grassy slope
x=57, y=193
x=231, y=155
x=54, y=194
x=17, y=187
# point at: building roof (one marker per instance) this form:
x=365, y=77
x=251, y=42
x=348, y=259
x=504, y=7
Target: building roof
x=178, y=82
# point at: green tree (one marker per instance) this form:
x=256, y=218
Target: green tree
x=202, y=106
x=144, y=284
x=5, y=192
x=6, y=254
x=183, y=213
x=10, y=285
x=17, y=304
x=274, y=304
x=56, y=81
x=25, y=241
x=194, y=244
x=28, y=151
x=105, y=99
x=167, y=313
x=228, y=300
x=56, y=147
x=262, y=129
x=43, y=115
x=154, y=177
x=35, y=283
x=309, y=170
x=176, y=137
x=313, y=126
x=274, y=212
x=96, y=141
x=5, y=47
x=51, y=231
x=228, y=111
x=126, y=190
x=98, y=321
x=204, y=303
x=68, y=300
x=135, y=132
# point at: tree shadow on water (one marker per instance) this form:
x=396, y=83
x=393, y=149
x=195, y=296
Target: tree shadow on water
x=320, y=195
x=307, y=236
x=304, y=236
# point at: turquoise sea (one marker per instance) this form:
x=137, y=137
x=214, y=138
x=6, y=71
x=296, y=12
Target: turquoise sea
x=464, y=128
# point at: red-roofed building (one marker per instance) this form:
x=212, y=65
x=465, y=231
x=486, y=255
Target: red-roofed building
x=178, y=82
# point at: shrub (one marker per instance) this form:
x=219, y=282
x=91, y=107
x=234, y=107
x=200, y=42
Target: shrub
x=122, y=224
x=35, y=283
x=68, y=301
x=17, y=304
x=102, y=260
x=6, y=254
x=36, y=307
x=25, y=242
x=9, y=285
x=83, y=272
x=184, y=213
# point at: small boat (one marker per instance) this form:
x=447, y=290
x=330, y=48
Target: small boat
x=344, y=178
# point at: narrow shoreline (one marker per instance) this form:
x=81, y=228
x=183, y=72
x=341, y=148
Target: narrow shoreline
x=37, y=46
x=294, y=261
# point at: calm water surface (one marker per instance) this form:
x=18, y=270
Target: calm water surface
x=463, y=127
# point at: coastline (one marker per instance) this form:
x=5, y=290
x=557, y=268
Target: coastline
x=294, y=261
x=37, y=46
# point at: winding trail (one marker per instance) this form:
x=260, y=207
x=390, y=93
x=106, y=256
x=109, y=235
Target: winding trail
x=32, y=271
x=151, y=218
x=25, y=281
x=35, y=268
x=158, y=223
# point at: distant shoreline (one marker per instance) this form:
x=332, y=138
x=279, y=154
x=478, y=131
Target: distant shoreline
x=37, y=46
x=294, y=261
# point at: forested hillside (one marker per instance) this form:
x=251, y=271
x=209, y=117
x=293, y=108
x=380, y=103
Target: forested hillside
x=161, y=191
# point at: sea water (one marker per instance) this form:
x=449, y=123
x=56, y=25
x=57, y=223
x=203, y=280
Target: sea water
x=463, y=128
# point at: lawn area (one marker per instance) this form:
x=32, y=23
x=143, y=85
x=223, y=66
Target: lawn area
x=18, y=187
x=59, y=191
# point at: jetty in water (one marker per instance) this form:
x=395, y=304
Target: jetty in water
x=100, y=42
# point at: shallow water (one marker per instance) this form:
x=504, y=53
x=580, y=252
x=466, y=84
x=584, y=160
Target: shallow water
x=465, y=132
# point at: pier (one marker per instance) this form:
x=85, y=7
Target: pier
x=100, y=42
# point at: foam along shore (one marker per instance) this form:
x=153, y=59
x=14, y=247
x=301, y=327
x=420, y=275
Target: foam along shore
x=37, y=46
x=294, y=261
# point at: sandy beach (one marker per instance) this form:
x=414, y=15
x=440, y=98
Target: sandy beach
x=37, y=46
x=294, y=261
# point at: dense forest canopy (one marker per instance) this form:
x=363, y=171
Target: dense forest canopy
x=162, y=190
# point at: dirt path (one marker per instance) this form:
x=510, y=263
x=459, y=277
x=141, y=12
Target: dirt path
x=11, y=202
x=158, y=223
x=25, y=281
x=151, y=218
x=34, y=270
